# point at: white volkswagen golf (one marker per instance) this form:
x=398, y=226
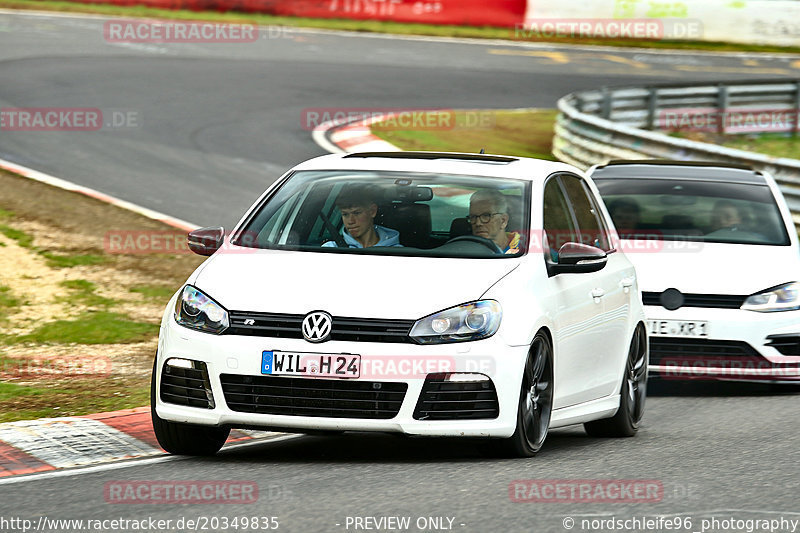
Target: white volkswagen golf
x=719, y=262
x=412, y=293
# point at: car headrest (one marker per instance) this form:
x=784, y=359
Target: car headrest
x=413, y=221
x=459, y=227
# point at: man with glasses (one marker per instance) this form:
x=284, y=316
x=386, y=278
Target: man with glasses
x=488, y=218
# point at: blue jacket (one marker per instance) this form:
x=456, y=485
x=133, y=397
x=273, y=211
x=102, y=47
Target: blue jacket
x=386, y=237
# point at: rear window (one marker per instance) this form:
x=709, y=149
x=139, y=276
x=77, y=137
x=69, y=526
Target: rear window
x=693, y=210
x=393, y=213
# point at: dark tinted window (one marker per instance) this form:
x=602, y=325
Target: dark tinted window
x=694, y=210
x=558, y=222
x=592, y=230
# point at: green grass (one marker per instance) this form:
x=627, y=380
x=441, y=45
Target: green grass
x=5, y=213
x=83, y=292
x=54, y=260
x=8, y=302
x=72, y=397
x=527, y=133
x=69, y=261
x=101, y=327
x=369, y=26
x=23, y=239
x=774, y=144
x=12, y=390
x=158, y=293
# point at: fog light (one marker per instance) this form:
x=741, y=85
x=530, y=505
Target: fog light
x=463, y=376
x=179, y=363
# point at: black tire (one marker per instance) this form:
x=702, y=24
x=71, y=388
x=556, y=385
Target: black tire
x=535, y=403
x=633, y=392
x=184, y=439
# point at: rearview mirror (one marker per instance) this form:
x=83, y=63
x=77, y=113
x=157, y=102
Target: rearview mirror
x=577, y=258
x=206, y=241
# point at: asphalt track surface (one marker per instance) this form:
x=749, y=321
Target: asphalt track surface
x=219, y=122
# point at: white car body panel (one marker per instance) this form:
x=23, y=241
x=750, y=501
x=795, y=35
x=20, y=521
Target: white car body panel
x=591, y=333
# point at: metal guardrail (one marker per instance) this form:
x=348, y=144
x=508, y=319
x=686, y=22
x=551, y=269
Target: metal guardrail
x=594, y=127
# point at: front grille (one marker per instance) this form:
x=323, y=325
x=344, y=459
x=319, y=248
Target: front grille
x=456, y=400
x=288, y=326
x=680, y=352
x=785, y=344
x=716, y=301
x=331, y=398
x=186, y=386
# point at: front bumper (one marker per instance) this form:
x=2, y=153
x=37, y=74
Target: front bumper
x=739, y=346
x=235, y=355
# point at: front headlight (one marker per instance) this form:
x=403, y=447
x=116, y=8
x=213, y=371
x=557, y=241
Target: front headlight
x=195, y=310
x=467, y=322
x=782, y=298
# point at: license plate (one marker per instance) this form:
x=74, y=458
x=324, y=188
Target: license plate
x=678, y=328
x=318, y=365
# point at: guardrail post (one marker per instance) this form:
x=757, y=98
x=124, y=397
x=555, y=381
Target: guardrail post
x=652, y=106
x=722, y=107
x=605, y=111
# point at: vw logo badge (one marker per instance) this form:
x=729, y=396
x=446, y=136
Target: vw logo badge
x=317, y=326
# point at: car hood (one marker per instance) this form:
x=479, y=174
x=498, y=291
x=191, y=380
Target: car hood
x=713, y=268
x=352, y=285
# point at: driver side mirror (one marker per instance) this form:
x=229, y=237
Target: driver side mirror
x=206, y=241
x=577, y=258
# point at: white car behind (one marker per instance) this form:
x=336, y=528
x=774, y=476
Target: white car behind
x=718, y=258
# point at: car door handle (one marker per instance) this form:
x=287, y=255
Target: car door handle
x=598, y=293
x=627, y=282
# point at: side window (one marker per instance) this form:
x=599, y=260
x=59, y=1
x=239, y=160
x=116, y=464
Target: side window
x=558, y=223
x=587, y=214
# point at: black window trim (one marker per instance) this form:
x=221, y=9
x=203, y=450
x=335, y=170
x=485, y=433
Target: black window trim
x=593, y=201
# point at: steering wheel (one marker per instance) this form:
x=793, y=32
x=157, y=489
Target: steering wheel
x=490, y=244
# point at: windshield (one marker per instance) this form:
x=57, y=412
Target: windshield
x=693, y=210
x=397, y=213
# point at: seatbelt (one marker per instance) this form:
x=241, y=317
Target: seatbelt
x=340, y=242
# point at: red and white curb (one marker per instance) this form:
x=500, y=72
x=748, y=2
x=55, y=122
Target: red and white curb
x=353, y=136
x=47, y=444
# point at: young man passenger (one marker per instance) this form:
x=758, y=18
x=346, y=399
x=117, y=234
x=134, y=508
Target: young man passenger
x=358, y=210
x=488, y=217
